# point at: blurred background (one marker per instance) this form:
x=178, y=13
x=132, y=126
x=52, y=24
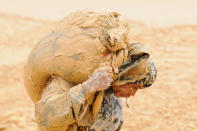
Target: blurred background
x=156, y=12
x=168, y=28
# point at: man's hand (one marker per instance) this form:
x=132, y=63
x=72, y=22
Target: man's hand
x=99, y=80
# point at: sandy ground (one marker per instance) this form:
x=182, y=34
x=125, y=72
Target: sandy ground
x=169, y=105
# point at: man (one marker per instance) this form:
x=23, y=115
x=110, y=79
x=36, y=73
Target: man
x=93, y=104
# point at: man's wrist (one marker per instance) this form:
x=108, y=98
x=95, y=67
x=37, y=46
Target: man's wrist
x=87, y=89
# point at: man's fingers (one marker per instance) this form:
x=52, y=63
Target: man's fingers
x=101, y=78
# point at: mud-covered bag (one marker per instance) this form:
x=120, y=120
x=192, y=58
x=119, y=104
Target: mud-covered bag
x=78, y=45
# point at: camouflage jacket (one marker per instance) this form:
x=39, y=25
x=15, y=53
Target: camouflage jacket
x=62, y=108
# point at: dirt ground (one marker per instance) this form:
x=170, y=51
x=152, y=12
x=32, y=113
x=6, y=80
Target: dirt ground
x=169, y=105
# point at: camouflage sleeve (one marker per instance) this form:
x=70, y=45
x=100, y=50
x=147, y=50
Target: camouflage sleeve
x=144, y=72
x=150, y=75
x=60, y=105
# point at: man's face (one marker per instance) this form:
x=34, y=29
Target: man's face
x=125, y=90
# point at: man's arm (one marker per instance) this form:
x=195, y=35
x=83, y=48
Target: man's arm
x=139, y=75
x=62, y=104
x=144, y=73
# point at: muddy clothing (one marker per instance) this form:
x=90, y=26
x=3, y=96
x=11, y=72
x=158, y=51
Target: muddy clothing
x=110, y=117
x=65, y=109
x=62, y=108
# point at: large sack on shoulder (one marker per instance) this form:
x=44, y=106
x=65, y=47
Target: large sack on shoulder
x=79, y=44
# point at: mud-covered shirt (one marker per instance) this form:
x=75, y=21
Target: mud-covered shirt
x=62, y=108
x=66, y=109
